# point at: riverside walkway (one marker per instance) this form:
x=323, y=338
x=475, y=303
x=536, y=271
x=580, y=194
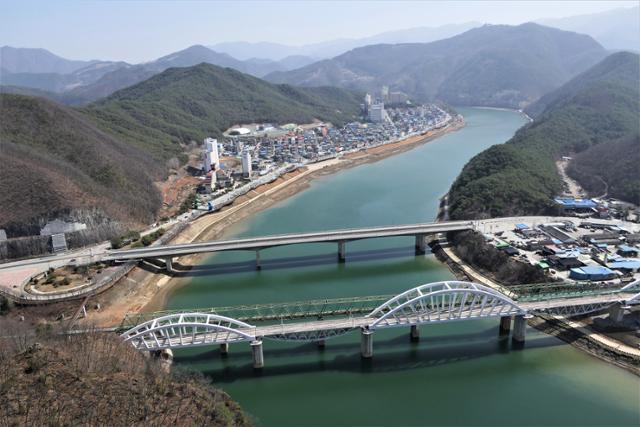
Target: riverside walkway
x=320, y=320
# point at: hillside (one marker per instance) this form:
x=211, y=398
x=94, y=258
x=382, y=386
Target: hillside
x=181, y=105
x=495, y=65
x=59, y=380
x=594, y=116
x=54, y=160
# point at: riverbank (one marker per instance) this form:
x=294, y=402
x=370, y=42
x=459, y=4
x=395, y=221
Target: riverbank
x=145, y=290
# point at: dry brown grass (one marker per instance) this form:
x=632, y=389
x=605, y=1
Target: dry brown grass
x=95, y=379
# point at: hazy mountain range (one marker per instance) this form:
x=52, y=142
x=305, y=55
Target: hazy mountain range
x=331, y=48
x=494, y=65
x=41, y=73
x=613, y=29
x=76, y=82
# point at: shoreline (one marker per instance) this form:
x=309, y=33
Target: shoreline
x=144, y=291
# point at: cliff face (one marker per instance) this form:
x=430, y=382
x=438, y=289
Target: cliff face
x=95, y=379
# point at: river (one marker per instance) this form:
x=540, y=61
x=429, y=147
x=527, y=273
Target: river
x=457, y=374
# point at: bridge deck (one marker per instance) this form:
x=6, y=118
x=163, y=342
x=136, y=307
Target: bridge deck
x=256, y=243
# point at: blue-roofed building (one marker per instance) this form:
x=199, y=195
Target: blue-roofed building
x=591, y=272
x=626, y=264
x=570, y=203
x=628, y=251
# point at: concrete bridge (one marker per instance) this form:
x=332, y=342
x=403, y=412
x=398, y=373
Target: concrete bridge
x=431, y=303
x=341, y=237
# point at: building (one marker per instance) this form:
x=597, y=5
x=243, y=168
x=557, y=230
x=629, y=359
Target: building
x=591, y=273
x=384, y=93
x=572, y=204
x=58, y=226
x=246, y=163
x=398, y=98
x=377, y=114
x=210, y=157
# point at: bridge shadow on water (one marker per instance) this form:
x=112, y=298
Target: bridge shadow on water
x=390, y=355
x=183, y=270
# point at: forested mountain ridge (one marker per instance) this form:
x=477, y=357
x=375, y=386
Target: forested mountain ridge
x=181, y=105
x=493, y=65
x=594, y=114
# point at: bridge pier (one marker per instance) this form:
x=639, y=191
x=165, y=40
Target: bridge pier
x=258, y=266
x=168, y=264
x=224, y=349
x=421, y=244
x=519, y=328
x=366, y=343
x=321, y=344
x=505, y=325
x=414, y=335
x=616, y=313
x=342, y=251
x=256, y=352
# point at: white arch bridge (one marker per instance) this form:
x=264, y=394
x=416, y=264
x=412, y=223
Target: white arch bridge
x=439, y=302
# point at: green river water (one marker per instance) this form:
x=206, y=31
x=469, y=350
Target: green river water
x=459, y=373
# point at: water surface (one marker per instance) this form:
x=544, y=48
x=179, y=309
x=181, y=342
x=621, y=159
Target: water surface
x=458, y=374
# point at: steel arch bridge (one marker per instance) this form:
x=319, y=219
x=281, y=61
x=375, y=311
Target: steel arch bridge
x=188, y=330
x=438, y=302
x=443, y=302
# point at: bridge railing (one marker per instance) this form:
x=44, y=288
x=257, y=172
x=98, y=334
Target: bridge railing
x=276, y=312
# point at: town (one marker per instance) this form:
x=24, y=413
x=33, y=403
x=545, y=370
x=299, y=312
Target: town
x=257, y=154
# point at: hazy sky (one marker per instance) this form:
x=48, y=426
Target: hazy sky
x=137, y=31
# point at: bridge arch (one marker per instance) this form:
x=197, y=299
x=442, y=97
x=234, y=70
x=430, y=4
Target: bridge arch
x=188, y=330
x=443, y=302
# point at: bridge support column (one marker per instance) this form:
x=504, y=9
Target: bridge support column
x=414, y=335
x=258, y=357
x=321, y=344
x=342, y=251
x=366, y=344
x=168, y=264
x=616, y=313
x=421, y=244
x=224, y=349
x=505, y=325
x=519, y=328
x=258, y=266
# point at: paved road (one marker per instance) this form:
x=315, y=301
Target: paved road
x=257, y=243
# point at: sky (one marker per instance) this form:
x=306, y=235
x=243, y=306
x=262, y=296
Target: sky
x=137, y=31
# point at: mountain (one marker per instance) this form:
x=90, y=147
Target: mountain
x=331, y=48
x=102, y=79
x=27, y=60
x=614, y=29
x=54, y=160
x=494, y=65
x=593, y=117
x=181, y=105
